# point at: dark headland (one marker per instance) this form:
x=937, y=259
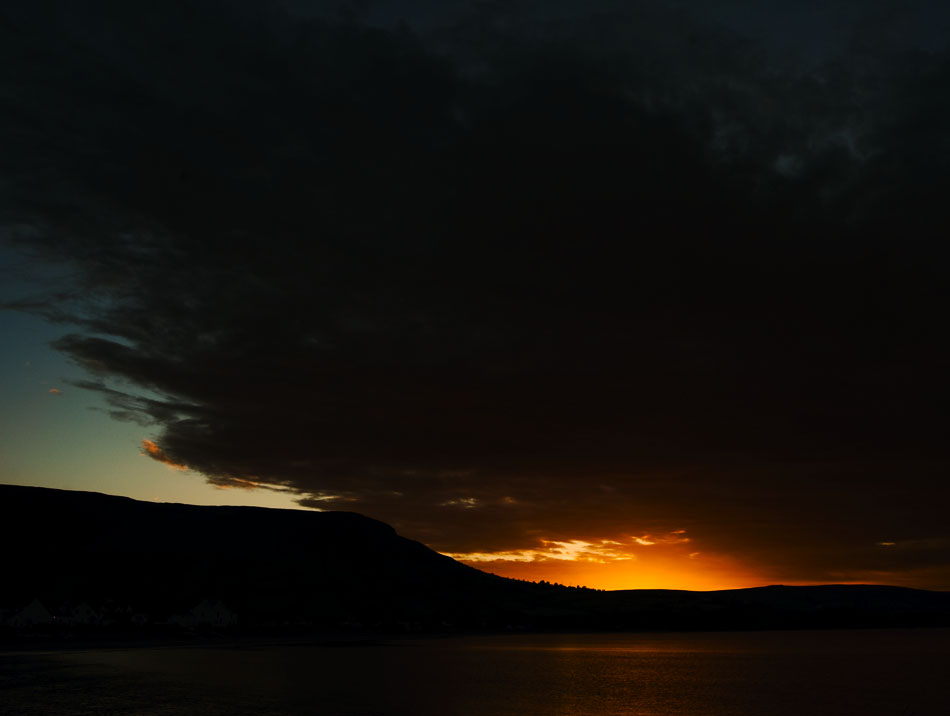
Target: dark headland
x=87, y=564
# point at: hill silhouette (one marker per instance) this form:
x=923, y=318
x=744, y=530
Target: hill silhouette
x=144, y=563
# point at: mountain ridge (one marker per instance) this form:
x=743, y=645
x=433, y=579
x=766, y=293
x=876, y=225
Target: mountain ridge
x=303, y=570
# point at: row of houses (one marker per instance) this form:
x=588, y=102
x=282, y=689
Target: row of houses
x=208, y=613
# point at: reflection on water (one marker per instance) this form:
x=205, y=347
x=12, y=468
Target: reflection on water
x=865, y=673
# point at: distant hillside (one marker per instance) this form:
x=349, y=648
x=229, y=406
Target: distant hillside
x=140, y=563
x=270, y=566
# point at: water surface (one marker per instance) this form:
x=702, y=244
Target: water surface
x=865, y=673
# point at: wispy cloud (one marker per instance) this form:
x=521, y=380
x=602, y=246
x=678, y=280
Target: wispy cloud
x=150, y=449
x=599, y=551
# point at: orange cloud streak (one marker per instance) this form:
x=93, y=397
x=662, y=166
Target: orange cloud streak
x=239, y=483
x=153, y=451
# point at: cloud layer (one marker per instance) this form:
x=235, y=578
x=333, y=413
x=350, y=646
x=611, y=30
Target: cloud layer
x=504, y=276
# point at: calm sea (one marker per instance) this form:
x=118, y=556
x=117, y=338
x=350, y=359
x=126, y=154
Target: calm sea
x=865, y=673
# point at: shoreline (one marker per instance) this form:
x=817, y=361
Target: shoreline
x=40, y=646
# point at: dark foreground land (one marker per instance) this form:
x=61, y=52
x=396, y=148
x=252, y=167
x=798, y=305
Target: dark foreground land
x=85, y=567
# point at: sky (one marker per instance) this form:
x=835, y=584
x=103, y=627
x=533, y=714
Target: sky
x=621, y=294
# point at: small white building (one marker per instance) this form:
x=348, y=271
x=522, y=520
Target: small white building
x=32, y=614
x=207, y=613
x=83, y=614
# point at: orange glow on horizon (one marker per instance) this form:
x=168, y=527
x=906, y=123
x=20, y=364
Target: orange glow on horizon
x=650, y=561
x=615, y=577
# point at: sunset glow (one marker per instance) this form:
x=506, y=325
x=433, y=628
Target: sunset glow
x=663, y=561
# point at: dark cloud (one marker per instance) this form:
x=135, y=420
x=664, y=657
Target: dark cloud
x=498, y=274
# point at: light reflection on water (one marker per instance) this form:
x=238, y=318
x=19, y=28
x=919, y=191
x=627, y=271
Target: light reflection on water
x=865, y=673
